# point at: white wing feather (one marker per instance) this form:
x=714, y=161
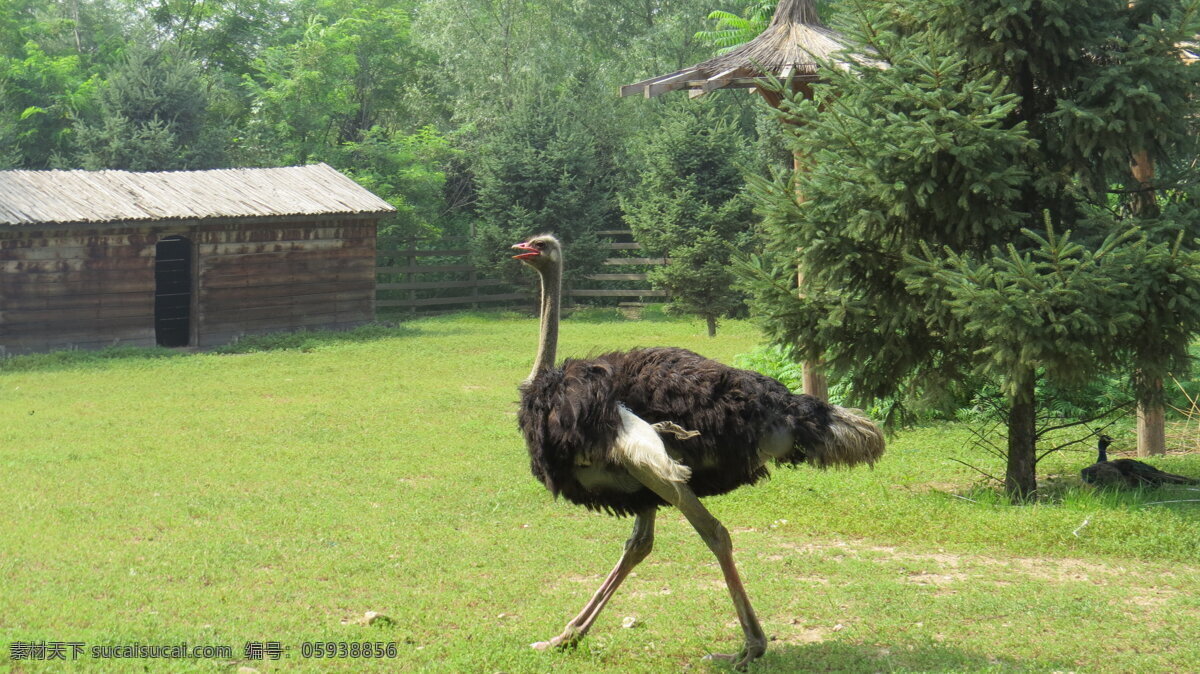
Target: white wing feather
x=639, y=444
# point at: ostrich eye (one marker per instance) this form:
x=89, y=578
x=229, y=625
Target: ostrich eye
x=540, y=244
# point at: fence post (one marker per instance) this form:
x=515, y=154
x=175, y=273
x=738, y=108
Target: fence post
x=411, y=263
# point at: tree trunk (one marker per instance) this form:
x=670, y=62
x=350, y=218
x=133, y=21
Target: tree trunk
x=1151, y=422
x=712, y=325
x=815, y=383
x=1020, y=478
x=75, y=26
x=813, y=379
x=1151, y=415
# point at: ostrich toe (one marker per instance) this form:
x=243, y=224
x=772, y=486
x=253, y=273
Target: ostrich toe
x=740, y=660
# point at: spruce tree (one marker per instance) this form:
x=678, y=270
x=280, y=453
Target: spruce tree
x=970, y=205
x=153, y=115
x=543, y=172
x=690, y=207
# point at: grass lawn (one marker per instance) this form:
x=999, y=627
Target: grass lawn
x=277, y=496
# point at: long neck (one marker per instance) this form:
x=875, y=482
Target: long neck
x=1103, y=454
x=551, y=304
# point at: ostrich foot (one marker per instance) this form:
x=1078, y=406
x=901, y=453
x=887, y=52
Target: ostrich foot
x=740, y=660
x=681, y=433
x=568, y=639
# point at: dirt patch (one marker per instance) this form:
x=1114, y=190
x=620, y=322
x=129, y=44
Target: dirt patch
x=1041, y=568
x=941, y=570
x=592, y=579
x=935, y=579
x=926, y=487
x=1154, y=599
x=810, y=635
x=651, y=592
x=1062, y=570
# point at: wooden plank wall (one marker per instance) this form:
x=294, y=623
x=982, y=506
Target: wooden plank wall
x=62, y=289
x=625, y=256
x=450, y=282
x=300, y=275
x=76, y=289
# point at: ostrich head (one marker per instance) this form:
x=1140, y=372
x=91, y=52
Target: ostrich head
x=1102, y=444
x=544, y=254
x=541, y=252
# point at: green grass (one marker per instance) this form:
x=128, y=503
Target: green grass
x=282, y=488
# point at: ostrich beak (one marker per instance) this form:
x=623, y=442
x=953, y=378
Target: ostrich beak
x=530, y=251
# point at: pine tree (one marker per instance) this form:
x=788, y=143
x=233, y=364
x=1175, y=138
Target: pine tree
x=690, y=207
x=153, y=115
x=970, y=203
x=544, y=171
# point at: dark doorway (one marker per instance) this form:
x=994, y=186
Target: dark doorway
x=173, y=291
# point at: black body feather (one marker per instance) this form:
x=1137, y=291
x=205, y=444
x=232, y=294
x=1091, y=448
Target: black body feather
x=1127, y=472
x=569, y=416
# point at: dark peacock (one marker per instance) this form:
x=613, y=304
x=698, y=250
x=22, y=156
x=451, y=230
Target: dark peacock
x=629, y=432
x=1126, y=472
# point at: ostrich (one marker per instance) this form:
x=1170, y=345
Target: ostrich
x=1126, y=472
x=628, y=432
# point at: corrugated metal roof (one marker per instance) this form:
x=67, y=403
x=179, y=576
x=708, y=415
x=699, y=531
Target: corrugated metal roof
x=49, y=197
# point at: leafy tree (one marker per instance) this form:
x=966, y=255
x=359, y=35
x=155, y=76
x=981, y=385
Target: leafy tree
x=969, y=207
x=690, y=207
x=227, y=34
x=153, y=116
x=733, y=29
x=89, y=29
x=406, y=170
x=491, y=53
x=39, y=97
x=345, y=75
x=48, y=58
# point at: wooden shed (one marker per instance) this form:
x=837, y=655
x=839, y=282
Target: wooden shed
x=190, y=258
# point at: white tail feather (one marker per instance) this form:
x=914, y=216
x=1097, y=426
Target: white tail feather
x=638, y=444
x=850, y=440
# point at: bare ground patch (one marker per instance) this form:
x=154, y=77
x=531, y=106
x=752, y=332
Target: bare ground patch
x=943, y=569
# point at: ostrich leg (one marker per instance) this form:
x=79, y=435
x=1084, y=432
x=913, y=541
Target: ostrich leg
x=717, y=538
x=640, y=542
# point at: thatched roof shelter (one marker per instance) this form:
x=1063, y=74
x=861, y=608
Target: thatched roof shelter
x=787, y=50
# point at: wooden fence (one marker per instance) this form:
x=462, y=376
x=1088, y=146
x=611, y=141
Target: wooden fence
x=442, y=278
